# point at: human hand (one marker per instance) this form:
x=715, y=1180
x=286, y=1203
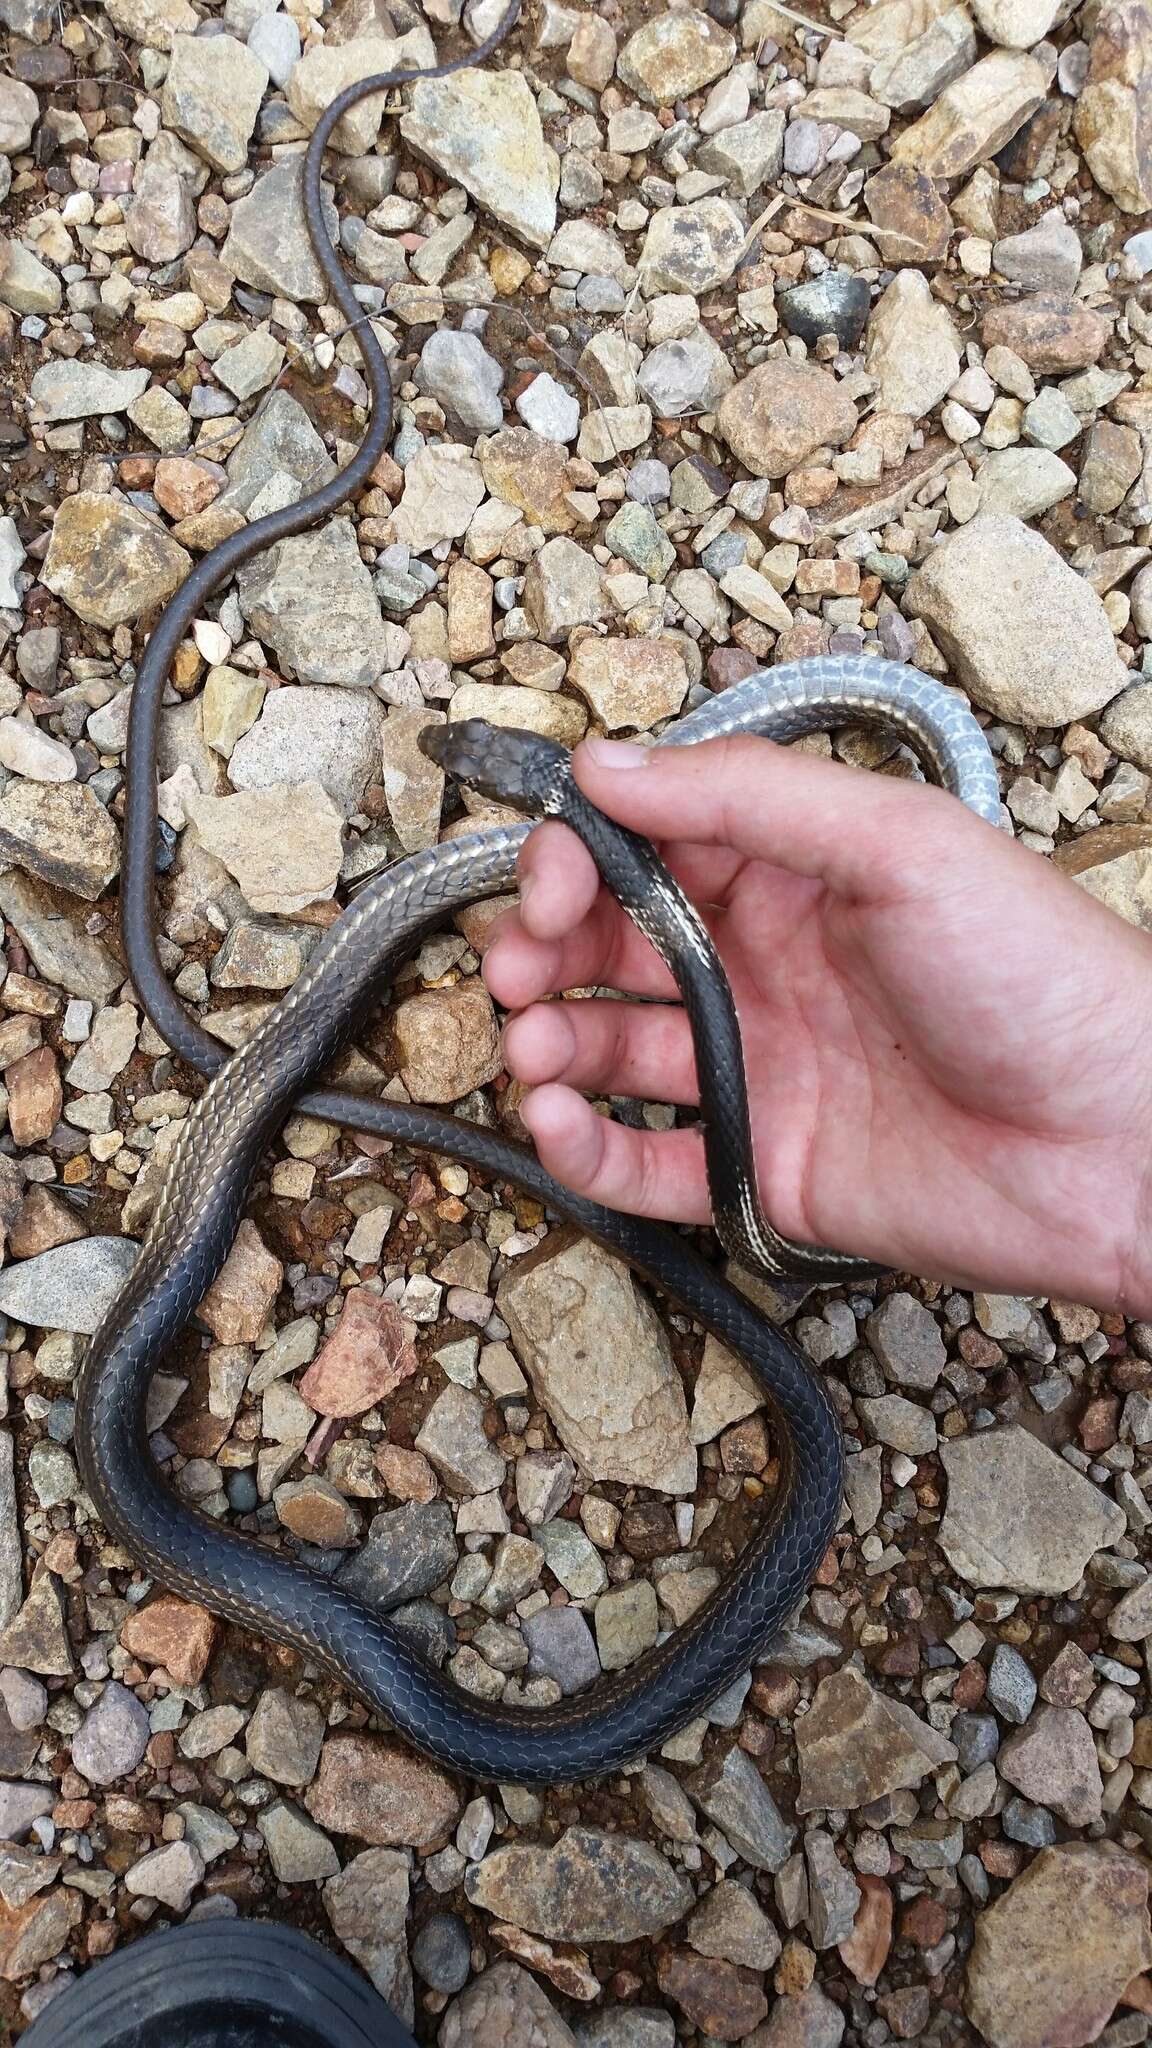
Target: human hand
x=946, y=1041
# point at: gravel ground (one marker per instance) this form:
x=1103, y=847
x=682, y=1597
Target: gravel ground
x=718, y=339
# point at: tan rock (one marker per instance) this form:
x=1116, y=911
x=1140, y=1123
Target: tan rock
x=413, y=784
x=911, y=223
x=599, y=1361
x=470, y=635
x=240, y=1299
x=531, y=473
x=591, y=1885
x=443, y=485
x=175, y=1633
x=1113, y=118
x=674, y=55
x=856, y=1745
x=1123, y=884
x=447, y=1041
x=629, y=682
x=543, y=711
x=1050, y=334
x=1016, y=24
x=482, y=130
x=109, y=562
x=562, y=589
x=1055, y=1952
x=283, y=844
x=380, y=1792
x=974, y=116
x=1018, y=1516
x=326, y=69
x=913, y=349
x=776, y=417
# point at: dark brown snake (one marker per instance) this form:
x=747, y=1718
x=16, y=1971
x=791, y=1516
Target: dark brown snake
x=250, y=1094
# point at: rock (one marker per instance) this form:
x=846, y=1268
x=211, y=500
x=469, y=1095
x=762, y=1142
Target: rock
x=634, y=533
x=211, y=97
x=691, y=248
x=1027, y=637
x=37, y=1933
x=71, y=1287
x=562, y=589
x=855, y=1745
x=60, y=832
x=731, y=1792
x=112, y=1737
x=1023, y=482
x=917, y=75
x=1112, y=462
x=12, y=559
x=326, y=736
x=590, y=1886
x=974, y=116
x=265, y=247
x=20, y=1805
x=558, y=718
x=110, y=563
x=311, y=598
x=457, y=371
x=837, y=303
x=913, y=350
x=61, y=951
x=725, y=2003
x=626, y=1624
x=482, y=130
x=911, y=222
x=174, y=1633
x=902, y=1425
x=725, y=1392
x=675, y=55
x=317, y=1512
x=1131, y=1619
x=804, y=2020
x=1045, y=258
x=747, y=155
x=284, y=1736
x=503, y=2006
x=561, y=1646
x=240, y=1299
x=327, y=69
x=1018, y=1516
x=298, y=1852
x=1126, y=725
x=777, y=416
x=756, y=595
x=548, y=409
x=452, y=1438
x=608, y=433
x=363, y=1361
x=1016, y=24
x=367, y=1906
x=531, y=473
x=107, y=1050
x=688, y=375
x=447, y=1042
x=409, y=1551
x=833, y=1894
x=906, y=1339
x=730, y=1925
x=1113, y=117
x=170, y=1874
x=1055, y=1952
x=36, y=1639
x=250, y=365
x=1053, y=1762
x=152, y=22
x=627, y=682
x=19, y=113
x=11, y=1577
x=160, y=213
x=626, y=1421
x=443, y=485
x=1051, y=334
x=284, y=844
x=275, y=40
x=381, y=1793
x=79, y=391
x=441, y=1952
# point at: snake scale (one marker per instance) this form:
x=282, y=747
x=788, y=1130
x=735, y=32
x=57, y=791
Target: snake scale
x=250, y=1094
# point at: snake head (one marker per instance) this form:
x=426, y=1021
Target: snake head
x=500, y=762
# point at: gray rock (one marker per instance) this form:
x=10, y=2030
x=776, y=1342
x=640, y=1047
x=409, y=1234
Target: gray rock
x=61, y=833
x=112, y=1737
x=283, y=1737
x=729, y=1924
x=442, y=1952
x=19, y=113
x=635, y=533
x=265, y=247
x=409, y=1551
x=733, y=1795
x=1018, y=1516
x=299, y=1851
x=548, y=409
x=482, y=130
x=591, y=1886
x=1045, y=258
x=250, y=365
x=26, y=284
x=11, y=1578
x=457, y=371
x=211, y=97
x=1023, y=482
x=31, y=19
x=504, y=2005
x=901, y=1424
x=12, y=559
x=748, y=154
x=627, y=1621
x=562, y=1647
x=627, y=2026
x=838, y=303
x=691, y=248
x=906, y=1339
x=71, y=1287
x=452, y=1437
x=275, y=40
x=330, y=736
x=20, y=1805
x=311, y=598
x=170, y=1874
x=833, y=1893
x=690, y=375
x=279, y=442
x=80, y=391
x=977, y=1739
x=160, y=212
x=367, y=1905
x=1011, y=1685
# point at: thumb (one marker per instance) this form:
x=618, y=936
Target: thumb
x=845, y=826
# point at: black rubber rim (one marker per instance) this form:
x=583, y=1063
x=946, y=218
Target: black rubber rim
x=239, y=1983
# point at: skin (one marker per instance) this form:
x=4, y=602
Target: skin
x=946, y=1040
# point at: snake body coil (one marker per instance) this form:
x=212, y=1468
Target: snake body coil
x=250, y=1094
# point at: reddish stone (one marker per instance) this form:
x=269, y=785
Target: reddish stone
x=971, y=1685
x=183, y=487
x=35, y=1096
x=407, y=1475
x=1001, y=1859
x=924, y=1922
x=239, y=1301
x=719, y=1998
x=1098, y=1424
x=865, y=1952
x=175, y=1633
x=43, y=1222
x=364, y=1360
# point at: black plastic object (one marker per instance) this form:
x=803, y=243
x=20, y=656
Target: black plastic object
x=220, y=1984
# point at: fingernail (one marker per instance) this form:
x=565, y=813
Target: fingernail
x=615, y=754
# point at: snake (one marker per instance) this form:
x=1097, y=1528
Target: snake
x=279, y=1070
